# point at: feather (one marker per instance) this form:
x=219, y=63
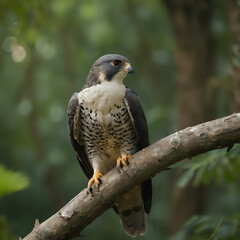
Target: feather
x=136, y=112
x=73, y=116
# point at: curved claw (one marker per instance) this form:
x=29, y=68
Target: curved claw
x=96, y=178
x=123, y=161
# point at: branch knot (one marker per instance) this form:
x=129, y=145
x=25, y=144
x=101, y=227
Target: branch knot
x=174, y=142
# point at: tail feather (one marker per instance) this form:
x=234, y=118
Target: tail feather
x=134, y=221
x=131, y=212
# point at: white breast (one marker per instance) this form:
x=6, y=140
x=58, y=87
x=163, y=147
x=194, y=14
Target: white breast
x=103, y=96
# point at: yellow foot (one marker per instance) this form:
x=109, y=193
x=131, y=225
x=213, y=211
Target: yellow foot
x=96, y=178
x=123, y=161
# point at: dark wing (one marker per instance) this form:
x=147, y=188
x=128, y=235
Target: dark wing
x=74, y=130
x=137, y=115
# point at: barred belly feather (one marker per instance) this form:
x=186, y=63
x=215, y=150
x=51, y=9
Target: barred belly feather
x=106, y=127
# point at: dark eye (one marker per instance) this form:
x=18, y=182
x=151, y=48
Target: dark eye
x=116, y=63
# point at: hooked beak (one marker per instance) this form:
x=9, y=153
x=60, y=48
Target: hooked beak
x=128, y=69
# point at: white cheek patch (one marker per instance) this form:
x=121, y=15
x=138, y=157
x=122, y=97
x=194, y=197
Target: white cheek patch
x=101, y=77
x=120, y=76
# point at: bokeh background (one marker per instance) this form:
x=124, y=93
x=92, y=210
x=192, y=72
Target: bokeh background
x=186, y=58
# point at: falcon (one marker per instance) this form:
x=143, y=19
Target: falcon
x=107, y=125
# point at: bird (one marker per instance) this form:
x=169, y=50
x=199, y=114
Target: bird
x=107, y=125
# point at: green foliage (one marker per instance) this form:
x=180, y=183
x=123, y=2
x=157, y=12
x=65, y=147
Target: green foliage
x=214, y=228
x=217, y=166
x=11, y=181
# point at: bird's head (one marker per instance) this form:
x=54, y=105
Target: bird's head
x=110, y=67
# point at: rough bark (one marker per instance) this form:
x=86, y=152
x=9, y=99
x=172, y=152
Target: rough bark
x=194, y=57
x=85, y=207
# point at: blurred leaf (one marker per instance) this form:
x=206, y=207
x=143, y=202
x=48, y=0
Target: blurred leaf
x=5, y=233
x=236, y=62
x=185, y=178
x=211, y=227
x=218, y=166
x=11, y=181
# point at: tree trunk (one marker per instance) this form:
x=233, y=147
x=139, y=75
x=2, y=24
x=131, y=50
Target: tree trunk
x=49, y=178
x=194, y=57
x=234, y=32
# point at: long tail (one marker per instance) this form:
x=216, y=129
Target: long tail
x=131, y=212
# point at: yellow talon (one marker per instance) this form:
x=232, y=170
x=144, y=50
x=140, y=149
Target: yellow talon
x=96, y=178
x=123, y=161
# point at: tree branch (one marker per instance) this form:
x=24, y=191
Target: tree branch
x=85, y=207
